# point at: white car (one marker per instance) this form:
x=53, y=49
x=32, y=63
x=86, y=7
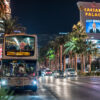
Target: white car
x=58, y=73
x=70, y=72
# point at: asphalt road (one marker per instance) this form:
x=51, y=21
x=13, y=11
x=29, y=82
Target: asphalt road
x=63, y=89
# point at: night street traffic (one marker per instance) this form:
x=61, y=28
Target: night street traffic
x=64, y=89
x=49, y=50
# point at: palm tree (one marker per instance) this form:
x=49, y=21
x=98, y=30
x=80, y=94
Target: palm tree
x=10, y=26
x=71, y=47
x=2, y=9
x=76, y=42
x=91, y=50
x=55, y=47
x=43, y=55
x=61, y=42
x=51, y=57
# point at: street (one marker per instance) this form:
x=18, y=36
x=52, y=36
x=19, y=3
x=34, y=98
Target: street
x=64, y=89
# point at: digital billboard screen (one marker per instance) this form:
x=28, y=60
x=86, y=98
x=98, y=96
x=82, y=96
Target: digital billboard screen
x=97, y=42
x=93, y=26
x=19, y=46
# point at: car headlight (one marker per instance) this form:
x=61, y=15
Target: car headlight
x=34, y=82
x=3, y=82
x=68, y=73
x=75, y=73
x=57, y=74
x=64, y=74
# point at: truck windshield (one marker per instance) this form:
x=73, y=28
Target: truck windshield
x=18, y=71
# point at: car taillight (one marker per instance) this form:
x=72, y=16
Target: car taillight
x=33, y=74
x=48, y=72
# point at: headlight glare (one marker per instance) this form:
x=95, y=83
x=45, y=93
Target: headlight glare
x=75, y=73
x=68, y=73
x=34, y=82
x=3, y=82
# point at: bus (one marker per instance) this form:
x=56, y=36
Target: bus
x=19, y=62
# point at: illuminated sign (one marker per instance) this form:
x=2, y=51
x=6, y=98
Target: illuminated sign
x=94, y=12
x=18, y=53
x=0, y=53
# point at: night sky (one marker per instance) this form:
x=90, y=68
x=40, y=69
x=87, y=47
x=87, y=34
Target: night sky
x=46, y=16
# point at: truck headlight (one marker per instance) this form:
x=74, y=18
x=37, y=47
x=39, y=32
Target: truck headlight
x=34, y=82
x=3, y=82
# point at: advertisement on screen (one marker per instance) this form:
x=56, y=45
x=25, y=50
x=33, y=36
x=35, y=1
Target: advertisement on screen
x=93, y=26
x=97, y=42
x=19, y=46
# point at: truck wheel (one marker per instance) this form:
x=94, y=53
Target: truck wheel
x=35, y=90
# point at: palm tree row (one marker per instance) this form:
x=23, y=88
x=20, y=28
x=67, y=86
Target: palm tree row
x=74, y=45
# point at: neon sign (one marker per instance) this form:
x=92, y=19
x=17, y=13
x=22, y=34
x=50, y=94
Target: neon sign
x=92, y=12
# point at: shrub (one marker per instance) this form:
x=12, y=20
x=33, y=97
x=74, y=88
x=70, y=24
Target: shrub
x=5, y=95
x=97, y=73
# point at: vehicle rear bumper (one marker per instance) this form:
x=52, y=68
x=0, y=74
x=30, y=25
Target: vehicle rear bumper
x=72, y=75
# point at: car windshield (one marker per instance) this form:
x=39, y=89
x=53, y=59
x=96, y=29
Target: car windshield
x=48, y=70
x=98, y=69
x=59, y=71
x=71, y=70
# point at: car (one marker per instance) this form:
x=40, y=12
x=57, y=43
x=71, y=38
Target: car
x=70, y=72
x=48, y=73
x=58, y=74
x=97, y=71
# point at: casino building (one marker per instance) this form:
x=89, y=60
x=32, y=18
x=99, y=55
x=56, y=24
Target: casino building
x=90, y=19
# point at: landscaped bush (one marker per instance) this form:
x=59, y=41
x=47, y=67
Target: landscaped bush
x=81, y=74
x=5, y=95
x=89, y=74
x=97, y=73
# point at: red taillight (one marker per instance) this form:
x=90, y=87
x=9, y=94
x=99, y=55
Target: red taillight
x=48, y=72
x=33, y=74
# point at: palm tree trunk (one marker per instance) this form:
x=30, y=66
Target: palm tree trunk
x=56, y=62
x=72, y=62
x=64, y=62
x=61, y=57
x=69, y=61
x=84, y=64
x=58, y=59
x=76, y=62
x=90, y=61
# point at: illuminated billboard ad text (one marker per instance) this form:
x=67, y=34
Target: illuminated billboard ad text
x=19, y=46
